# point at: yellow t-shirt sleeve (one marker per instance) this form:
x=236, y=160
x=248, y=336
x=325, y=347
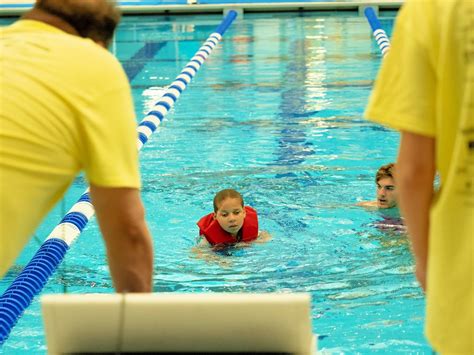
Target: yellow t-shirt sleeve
x=109, y=131
x=404, y=94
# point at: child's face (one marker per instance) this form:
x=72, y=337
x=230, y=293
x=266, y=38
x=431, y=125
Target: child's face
x=230, y=215
x=386, y=193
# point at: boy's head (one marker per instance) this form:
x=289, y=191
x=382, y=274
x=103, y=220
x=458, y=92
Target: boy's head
x=386, y=192
x=229, y=210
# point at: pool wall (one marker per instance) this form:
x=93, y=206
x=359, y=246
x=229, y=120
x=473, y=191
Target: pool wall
x=17, y=7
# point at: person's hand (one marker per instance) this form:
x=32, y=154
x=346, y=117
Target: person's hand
x=420, y=273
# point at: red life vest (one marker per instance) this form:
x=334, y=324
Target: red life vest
x=210, y=228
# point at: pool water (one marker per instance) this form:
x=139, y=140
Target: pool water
x=275, y=112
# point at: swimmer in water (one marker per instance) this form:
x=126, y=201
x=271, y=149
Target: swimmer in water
x=386, y=190
x=386, y=200
x=231, y=222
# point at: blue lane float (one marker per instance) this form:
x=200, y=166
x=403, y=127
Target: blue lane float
x=29, y=283
x=380, y=35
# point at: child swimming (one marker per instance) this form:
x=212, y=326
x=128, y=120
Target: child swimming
x=231, y=222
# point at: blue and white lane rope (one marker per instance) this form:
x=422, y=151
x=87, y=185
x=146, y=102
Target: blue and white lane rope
x=379, y=34
x=34, y=276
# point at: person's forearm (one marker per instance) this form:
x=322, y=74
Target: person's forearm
x=121, y=218
x=130, y=260
x=414, y=175
x=415, y=196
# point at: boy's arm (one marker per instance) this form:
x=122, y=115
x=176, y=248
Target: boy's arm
x=121, y=219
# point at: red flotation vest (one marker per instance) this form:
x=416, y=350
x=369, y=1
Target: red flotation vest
x=210, y=228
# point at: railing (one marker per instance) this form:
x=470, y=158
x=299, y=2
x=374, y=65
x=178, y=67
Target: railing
x=17, y=7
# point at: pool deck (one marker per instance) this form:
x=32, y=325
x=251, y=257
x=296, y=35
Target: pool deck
x=17, y=7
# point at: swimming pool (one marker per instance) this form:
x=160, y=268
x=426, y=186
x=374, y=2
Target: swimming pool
x=276, y=113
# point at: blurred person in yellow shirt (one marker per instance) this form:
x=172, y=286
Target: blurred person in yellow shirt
x=66, y=106
x=425, y=89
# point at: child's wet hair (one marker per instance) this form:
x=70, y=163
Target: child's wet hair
x=224, y=194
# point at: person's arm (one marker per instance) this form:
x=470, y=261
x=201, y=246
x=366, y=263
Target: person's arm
x=202, y=241
x=370, y=204
x=263, y=236
x=121, y=218
x=414, y=176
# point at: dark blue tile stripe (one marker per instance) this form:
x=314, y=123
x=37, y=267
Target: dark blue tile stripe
x=134, y=65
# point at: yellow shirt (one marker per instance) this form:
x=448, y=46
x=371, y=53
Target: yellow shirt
x=65, y=106
x=426, y=86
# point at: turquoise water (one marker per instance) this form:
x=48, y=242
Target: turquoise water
x=276, y=113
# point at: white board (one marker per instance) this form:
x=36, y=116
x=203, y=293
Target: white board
x=177, y=322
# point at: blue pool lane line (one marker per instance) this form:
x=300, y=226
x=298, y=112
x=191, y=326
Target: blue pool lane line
x=377, y=30
x=293, y=142
x=34, y=276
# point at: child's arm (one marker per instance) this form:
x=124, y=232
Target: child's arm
x=204, y=251
x=202, y=241
x=263, y=237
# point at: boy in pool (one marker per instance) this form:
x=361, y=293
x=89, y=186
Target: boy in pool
x=386, y=200
x=386, y=191
x=231, y=222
